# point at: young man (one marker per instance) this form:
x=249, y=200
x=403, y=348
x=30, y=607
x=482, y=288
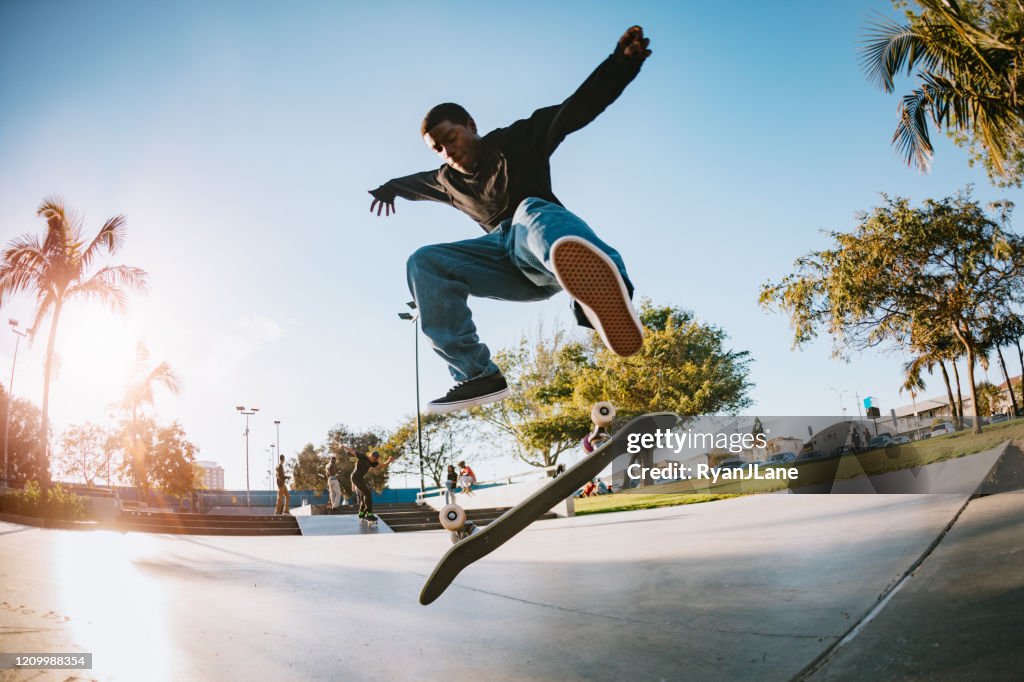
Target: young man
x=533, y=248
x=283, y=501
x=333, y=484
x=363, y=464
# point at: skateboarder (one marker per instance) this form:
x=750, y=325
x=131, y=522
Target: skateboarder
x=534, y=247
x=363, y=464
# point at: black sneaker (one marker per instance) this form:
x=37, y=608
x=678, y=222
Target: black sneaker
x=470, y=394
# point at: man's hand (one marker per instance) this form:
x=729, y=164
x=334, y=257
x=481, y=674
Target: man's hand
x=633, y=45
x=383, y=201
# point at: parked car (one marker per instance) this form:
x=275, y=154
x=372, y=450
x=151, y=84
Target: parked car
x=880, y=441
x=902, y=440
x=996, y=418
x=780, y=458
x=942, y=429
x=732, y=463
x=813, y=454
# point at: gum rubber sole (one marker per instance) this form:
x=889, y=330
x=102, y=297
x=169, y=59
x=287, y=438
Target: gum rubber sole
x=592, y=279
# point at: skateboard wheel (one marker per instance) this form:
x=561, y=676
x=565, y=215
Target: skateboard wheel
x=588, y=446
x=452, y=517
x=602, y=414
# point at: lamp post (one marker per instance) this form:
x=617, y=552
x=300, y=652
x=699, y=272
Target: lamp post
x=10, y=390
x=251, y=411
x=840, y=394
x=270, y=470
x=277, y=424
x=415, y=319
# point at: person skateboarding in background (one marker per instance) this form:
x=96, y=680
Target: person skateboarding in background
x=363, y=464
x=534, y=247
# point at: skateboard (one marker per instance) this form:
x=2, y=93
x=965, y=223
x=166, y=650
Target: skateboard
x=372, y=523
x=479, y=544
x=453, y=518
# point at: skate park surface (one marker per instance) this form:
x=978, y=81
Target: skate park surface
x=751, y=588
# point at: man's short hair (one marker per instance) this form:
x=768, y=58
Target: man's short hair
x=449, y=111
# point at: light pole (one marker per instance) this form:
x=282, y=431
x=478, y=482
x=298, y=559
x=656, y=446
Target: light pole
x=277, y=424
x=241, y=409
x=415, y=319
x=10, y=389
x=840, y=394
x=270, y=471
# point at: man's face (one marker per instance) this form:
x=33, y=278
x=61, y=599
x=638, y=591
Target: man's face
x=458, y=145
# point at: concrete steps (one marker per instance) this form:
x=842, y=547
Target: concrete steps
x=403, y=518
x=202, y=524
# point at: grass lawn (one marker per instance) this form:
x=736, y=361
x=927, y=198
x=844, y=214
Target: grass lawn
x=628, y=501
x=874, y=462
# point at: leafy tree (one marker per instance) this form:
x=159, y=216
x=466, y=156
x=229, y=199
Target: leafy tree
x=539, y=418
x=307, y=469
x=56, y=269
x=684, y=367
x=171, y=461
x=969, y=56
x=83, y=453
x=24, y=457
x=911, y=276
x=444, y=437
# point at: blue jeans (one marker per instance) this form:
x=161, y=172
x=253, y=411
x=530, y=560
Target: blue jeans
x=512, y=263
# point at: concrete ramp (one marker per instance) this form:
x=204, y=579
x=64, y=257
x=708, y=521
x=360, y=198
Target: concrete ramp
x=341, y=524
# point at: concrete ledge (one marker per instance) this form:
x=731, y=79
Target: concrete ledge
x=503, y=496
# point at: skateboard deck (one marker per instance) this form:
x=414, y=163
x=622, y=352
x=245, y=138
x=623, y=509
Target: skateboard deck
x=505, y=527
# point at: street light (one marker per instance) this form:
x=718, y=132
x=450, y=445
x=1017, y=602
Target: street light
x=415, y=319
x=241, y=409
x=10, y=389
x=270, y=471
x=840, y=394
x=277, y=423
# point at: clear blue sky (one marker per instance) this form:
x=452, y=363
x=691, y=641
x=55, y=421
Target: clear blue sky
x=240, y=138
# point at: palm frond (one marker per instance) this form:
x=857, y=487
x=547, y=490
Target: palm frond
x=110, y=285
x=911, y=136
x=111, y=236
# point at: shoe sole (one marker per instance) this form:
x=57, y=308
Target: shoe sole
x=593, y=280
x=445, y=408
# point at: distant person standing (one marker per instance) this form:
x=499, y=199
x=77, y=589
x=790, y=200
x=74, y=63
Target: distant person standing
x=282, y=489
x=333, y=484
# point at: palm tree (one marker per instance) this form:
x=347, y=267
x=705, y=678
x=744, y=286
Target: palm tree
x=56, y=268
x=138, y=394
x=970, y=61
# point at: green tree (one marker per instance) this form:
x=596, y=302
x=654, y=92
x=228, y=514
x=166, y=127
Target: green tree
x=56, y=269
x=969, y=56
x=539, y=419
x=171, y=461
x=684, y=367
x=307, y=469
x=911, y=276
x=25, y=459
x=444, y=438
x=82, y=453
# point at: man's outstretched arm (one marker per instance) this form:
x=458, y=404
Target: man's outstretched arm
x=601, y=88
x=417, y=187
